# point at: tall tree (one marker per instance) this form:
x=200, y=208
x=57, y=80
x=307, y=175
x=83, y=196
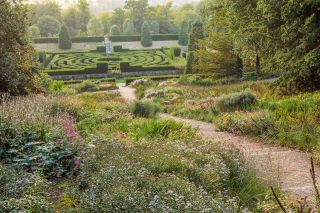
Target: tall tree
x=196, y=35
x=71, y=18
x=65, y=42
x=48, y=25
x=45, y=8
x=118, y=17
x=183, y=34
x=138, y=11
x=105, y=19
x=84, y=14
x=128, y=28
x=94, y=27
x=17, y=61
x=146, y=37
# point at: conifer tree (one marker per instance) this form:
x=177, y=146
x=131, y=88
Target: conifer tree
x=146, y=37
x=196, y=35
x=65, y=42
x=183, y=35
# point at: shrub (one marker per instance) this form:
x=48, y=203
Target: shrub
x=34, y=32
x=115, y=30
x=176, y=51
x=87, y=86
x=154, y=26
x=145, y=109
x=183, y=34
x=146, y=38
x=235, y=101
x=56, y=87
x=64, y=38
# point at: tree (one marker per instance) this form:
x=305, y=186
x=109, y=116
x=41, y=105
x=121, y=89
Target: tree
x=34, y=32
x=65, y=42
x=71, y=19
x=138, y=11
x=105, y=20
x=118, y=17
x=146, y=37
x=196, y=35
x=115, y=30
x=48, y=25
x=94, y=27
x=154, y=26
x=84, y=14
x=128, y=28
x=164, y=26
x=46, y=8
x=183, y=34
x=17, y=61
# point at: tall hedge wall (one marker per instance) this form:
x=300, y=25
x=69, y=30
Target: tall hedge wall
x=159, y=37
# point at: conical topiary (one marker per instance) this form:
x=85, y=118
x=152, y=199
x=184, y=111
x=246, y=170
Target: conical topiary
x=146, y=37
x=65, y=41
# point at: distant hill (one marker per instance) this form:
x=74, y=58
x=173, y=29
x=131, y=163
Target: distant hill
x=98, y=6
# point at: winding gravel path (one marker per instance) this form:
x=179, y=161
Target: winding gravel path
x=288, y=167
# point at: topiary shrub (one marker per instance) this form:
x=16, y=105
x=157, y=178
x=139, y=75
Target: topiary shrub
x=176, y=51
x=145, y=109
x=235, y=101
x=65, y=42
x=183, y=34
x=146, y=38
x=34, y=32
x=115, y=30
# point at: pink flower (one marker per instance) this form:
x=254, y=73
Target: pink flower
x=77, y=162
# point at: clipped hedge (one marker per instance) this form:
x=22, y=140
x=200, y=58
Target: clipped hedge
x=121, y=38
x=126, y=67
x=99, y=69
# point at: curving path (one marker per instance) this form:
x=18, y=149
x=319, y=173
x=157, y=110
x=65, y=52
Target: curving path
x=288, y=167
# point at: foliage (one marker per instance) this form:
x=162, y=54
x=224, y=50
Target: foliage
x=65, y=42
x=49, y=8
x=34, y=32
x=33, y=140
x=115, y=30
x=146, y=38
x=128, y=28
x=137, y=12
x=48, y=25
x=84, y=14
x=71, y=19
x=17, y=61
x=183, y=34
x=154, y=26
x=145, y=109
x=195, y=36
x=104, y=19
x=94, y=27
x=235, y=101
x=87, y=86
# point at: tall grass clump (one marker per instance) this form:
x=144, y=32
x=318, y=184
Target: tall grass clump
x=145, y=109
x=235, y=101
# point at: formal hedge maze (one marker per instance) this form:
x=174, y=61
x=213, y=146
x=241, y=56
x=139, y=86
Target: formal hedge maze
x=118, y=62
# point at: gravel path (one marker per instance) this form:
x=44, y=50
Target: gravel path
x=288, y=167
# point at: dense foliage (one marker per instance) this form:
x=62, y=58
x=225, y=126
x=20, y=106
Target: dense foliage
x=95, y=28
x=115, y=30
x=183, y=34
x=146, y=37
x=17, y=67
x=49, y=26
x=65, y=42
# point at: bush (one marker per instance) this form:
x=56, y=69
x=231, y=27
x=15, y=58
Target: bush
x=65, y=42
x=183, y=35
x=176, y=51
x=146, y=38
x=115, y=30
x=87, y=86
x=154, y=26
x=145, y=109
x=235, y=101
x=128, y=28
x=34, y=32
